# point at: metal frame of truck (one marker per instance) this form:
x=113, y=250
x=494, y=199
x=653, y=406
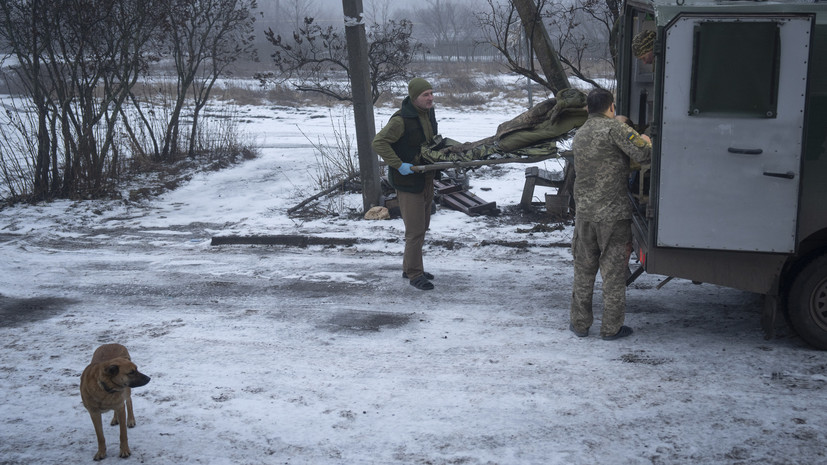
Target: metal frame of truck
x=736, y=103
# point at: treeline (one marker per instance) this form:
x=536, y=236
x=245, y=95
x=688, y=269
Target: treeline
x=89, y=102
x=94, y=98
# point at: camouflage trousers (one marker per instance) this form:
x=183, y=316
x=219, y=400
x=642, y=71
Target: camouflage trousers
x=490, y=151
x=604, y=246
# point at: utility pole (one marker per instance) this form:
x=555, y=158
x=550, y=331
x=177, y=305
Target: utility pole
x=357, y=53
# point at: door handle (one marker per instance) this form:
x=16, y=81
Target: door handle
x=745, y=151
x=787, y=175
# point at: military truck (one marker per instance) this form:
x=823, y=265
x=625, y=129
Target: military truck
x=736, y=193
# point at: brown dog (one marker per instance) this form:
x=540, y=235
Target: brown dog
x=105, y=385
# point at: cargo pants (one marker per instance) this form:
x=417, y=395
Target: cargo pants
x=604, y=246
x=416, y=214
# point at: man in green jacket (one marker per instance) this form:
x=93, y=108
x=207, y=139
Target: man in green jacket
x=602, y=239
x=399, y=143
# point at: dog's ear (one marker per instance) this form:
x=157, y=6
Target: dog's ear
x=112, y=370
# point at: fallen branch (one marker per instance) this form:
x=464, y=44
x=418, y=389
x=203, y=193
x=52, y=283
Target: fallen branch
x=325, y=192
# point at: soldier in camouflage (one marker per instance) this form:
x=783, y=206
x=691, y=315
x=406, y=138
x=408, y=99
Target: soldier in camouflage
x=643, y=46
x=602, y=240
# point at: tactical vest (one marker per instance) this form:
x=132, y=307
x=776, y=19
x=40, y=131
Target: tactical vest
x=407, y=148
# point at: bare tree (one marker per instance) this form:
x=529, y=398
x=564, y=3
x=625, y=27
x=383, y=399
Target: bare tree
x=316, y=58
x=439, y=19
x=78, y=60
x=603, y=15
x=579, y=31
x=293, y=13
x=541, y=44
x=205, y=38
x=583, y=34
x=24, y=34
x=505, y=33
x=378, y=11
x=446, y=27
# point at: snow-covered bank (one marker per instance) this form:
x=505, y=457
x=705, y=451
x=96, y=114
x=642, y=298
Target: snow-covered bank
x=324, y=355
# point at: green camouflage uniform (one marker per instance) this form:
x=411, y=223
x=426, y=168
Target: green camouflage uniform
x=531, y=134
x=602, y=238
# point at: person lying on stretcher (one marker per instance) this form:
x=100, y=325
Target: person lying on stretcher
x=531, y=134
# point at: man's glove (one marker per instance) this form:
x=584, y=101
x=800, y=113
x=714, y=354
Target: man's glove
x=405, y=169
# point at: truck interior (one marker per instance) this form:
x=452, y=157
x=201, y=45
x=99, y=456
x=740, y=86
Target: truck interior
x=635, y=100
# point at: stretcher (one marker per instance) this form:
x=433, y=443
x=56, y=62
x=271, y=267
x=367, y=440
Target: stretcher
x=444, y=165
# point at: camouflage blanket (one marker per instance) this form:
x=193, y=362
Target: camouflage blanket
x=454, y=153
x=531, y=134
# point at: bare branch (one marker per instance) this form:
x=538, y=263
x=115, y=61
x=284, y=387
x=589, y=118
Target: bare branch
x=316, y=55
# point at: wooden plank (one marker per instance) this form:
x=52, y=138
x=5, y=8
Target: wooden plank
x=468, y=204
x=544, y=177
x=534, y=176
x=454, y=196
x=528, y=190
x=445, y=188
x=456, y=203
x=482, y=208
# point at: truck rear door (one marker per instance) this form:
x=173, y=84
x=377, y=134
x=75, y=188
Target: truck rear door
x=732, y=125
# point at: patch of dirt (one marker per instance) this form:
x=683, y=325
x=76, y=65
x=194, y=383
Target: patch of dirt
x=361, y=321
x=18, y=311
x=642, y=358
x=537, y=228
x=295, y=240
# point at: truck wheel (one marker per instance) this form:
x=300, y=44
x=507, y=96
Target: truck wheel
x=807, y=303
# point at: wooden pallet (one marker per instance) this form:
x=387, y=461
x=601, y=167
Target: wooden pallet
x=456, y=197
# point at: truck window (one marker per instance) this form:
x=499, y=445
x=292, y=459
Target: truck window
x=735, y=69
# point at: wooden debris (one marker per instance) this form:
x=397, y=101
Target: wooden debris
x=339, y=185
x=456, y=197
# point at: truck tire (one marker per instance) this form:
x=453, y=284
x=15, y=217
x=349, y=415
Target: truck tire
x=807, y=303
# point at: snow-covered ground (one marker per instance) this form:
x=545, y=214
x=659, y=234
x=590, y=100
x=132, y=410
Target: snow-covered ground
x=325, y=355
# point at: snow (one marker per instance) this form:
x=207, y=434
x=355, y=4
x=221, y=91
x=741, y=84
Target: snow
x=325, y=355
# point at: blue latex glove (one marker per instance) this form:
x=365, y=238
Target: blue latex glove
x=405, y=169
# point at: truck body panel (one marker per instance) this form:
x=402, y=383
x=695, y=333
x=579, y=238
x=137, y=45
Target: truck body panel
x=755, y=147
x=736, y=105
